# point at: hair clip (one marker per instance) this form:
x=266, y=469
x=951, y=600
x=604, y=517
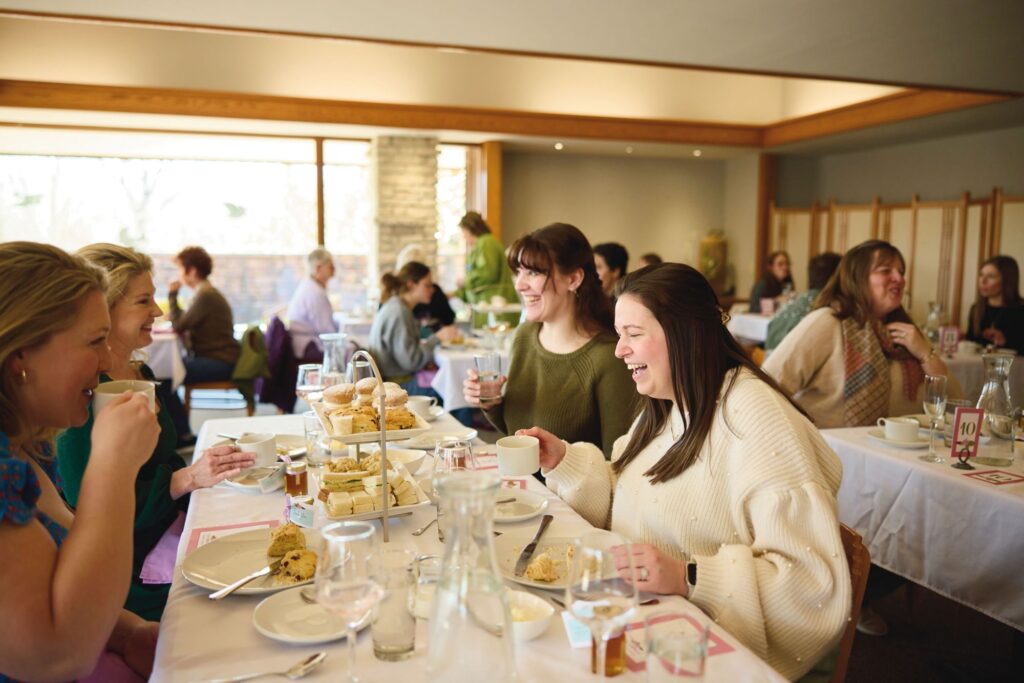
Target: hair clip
x=725, y=316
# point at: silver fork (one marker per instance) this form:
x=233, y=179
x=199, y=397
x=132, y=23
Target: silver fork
x=229, y=589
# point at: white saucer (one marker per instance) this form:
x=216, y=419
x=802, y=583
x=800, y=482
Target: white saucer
x=879, y=436
x=249, y=480
x=434, y=413
x=526, y=506
x=286, y=617
x=428, y=440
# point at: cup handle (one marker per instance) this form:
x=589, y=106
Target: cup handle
x=433, y=402
x=880, y=422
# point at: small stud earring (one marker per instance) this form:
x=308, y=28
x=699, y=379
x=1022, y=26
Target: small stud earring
x=24, y=376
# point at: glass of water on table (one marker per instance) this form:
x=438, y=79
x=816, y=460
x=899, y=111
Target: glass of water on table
x=934, y=408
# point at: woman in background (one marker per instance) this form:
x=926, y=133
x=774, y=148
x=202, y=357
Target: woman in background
x=563, y=374
x=726, y=490
x=395, y=334
x=164, y=481
x=997, y=316
x=64, y=576
x=487, y=271
x=775, y=279
x=436, y=313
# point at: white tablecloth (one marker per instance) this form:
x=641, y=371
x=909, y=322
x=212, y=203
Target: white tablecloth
x=452, y=365
x=164, y=357
x=969, y=370
x=749, y=326
x=935, y=525
x=203, y=639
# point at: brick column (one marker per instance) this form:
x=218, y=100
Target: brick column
x=405, y=182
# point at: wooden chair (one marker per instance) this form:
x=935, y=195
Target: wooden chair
x=859, y=558
x=222, y=384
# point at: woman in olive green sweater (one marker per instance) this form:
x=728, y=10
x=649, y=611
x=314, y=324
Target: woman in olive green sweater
x=164, y=481
x=563, y=369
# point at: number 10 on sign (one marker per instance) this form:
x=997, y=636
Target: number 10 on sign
x=966, y=432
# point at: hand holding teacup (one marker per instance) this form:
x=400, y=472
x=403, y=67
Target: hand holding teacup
x=127, y=428
x=551, y=448
x=217, y=464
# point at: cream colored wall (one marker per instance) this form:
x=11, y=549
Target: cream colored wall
x=661, y=205
x=740, y=219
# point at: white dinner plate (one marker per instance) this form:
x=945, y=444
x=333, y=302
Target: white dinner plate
x=288, y=618
x=223, y=561
x=249, y=480
x=527, y=505
x=879, y=436
x=292, y=445
x=508, y=547
x=429, y=438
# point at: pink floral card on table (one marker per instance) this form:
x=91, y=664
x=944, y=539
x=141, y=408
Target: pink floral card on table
x=996, y=477
x=966, y=432
x=636, y=649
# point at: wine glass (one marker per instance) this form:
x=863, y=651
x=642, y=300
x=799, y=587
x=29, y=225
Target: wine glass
x=598, y=593
x=450, y=455
x=343, y=580
x=934, y=407
x=308, y=386
x=357, y=370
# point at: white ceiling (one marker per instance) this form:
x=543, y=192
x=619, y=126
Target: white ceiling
x=966, y=44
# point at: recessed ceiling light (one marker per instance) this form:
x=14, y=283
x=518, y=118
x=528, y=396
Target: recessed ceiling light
x=629, y=150
x=559, y=146
x=697, y=152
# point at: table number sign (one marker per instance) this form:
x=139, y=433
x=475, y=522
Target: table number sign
x=966, y=432
x=949, y=337
x=996, y=477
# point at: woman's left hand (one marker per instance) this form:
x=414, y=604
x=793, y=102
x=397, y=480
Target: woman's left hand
x=217, y=464
x=908, y=336
x=656, y=572
x=140, y=647
x=994, y=336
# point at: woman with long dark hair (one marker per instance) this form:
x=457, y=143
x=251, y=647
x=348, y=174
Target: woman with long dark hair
x=775, y=279
x=858, y=356
x=724, y=487
x=997, y=316
x=563, y=374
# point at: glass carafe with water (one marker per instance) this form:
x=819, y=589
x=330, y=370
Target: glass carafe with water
x=335, y=350
x=995, y=399
x=470, y=625
x=936, y=319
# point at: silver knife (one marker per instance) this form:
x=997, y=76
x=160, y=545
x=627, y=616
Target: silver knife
x=228, y=590
x=531, y=547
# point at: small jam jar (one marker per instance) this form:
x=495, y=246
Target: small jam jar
x=295, y=483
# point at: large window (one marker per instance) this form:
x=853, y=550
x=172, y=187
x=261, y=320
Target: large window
x=451, y=206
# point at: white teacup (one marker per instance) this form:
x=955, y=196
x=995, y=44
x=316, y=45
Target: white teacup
x=518, y=455
x=967, y=346
x=108, y=391
x=899, y=428
x=263, y=445
x=422, y=405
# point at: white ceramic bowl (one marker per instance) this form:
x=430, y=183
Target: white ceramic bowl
x=534, y=614
x=410, y=457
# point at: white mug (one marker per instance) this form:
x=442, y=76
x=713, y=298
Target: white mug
x=899, y=428
x=422, y=405
x=108, y=391
x=263, y=445
x=518, y=455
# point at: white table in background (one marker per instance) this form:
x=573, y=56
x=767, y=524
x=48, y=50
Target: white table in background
x=749, y=326
x=164, y=357
x=452, y=365
x=969, y=370
x=935, y=525
x=202, y=639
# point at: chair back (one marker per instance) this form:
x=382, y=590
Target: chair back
x=859, y=559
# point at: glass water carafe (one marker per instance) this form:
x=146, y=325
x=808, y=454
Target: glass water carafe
x=936, y=319
x=335, y=350
x=470, y=625
x=995, y=394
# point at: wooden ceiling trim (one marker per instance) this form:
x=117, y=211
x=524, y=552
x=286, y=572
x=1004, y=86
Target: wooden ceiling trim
x=889, y=109
x=247, y=106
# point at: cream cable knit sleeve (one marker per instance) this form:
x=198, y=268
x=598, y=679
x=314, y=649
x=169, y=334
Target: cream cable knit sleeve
x=757, y=513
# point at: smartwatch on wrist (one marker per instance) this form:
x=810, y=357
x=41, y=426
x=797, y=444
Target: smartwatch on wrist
x=691, y=573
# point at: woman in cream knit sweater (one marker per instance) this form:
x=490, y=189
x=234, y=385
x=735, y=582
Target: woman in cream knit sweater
x=726, y=490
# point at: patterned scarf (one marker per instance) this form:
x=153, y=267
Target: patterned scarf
x=866, y=354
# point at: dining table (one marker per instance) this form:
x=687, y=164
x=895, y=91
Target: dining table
x=969, y=371
x=751, y=327
x=202, y=639
x=165, y=357
x=957, y=532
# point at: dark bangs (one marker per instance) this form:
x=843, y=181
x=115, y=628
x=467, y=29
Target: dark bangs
x=530, y=253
